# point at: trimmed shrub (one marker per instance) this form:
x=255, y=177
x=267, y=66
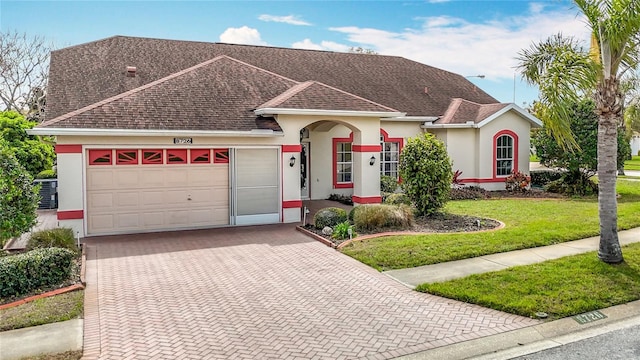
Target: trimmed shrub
x=341, y=231
x=543, y=177
x=379, y=216
x=46, y=174
x=59, y=237
x=425, y=169
x=22, y=273
x=330, y=217
x=397, y=199
x=388, y=184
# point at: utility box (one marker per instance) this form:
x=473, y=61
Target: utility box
x=48, y=193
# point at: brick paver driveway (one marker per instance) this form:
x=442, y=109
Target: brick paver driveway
x=257, y=293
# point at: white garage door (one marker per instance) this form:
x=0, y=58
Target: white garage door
x=141, y=190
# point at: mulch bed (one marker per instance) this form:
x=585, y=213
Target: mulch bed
x=438, y=223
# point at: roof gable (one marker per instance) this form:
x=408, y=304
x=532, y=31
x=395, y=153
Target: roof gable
x=461, y=112
x=318, y=96
x=218, y=94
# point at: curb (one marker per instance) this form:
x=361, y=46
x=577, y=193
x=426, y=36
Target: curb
x=316, y=237
x=534, y=338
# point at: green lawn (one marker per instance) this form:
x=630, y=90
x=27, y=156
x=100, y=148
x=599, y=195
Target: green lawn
x=633, y=164
x=562, y=287
x=43, y=311
x=529, y=223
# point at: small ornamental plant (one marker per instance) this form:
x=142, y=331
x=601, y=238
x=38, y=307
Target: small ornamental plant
x=517, y=182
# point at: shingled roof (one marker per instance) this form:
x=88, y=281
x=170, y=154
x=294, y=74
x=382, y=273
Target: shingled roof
x=461, y=111
x=218, y=94
x=86, y=74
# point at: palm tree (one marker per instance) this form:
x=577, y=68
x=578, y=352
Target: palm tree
x=565, y=72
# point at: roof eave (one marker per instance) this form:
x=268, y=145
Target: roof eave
x=352, y=113
x=153, y=132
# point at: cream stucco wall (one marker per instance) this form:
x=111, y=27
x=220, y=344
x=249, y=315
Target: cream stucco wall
x=70, y=188
x=462, y=146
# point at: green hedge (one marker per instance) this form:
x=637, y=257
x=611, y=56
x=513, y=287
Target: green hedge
x=543, y=177
x=22, y=273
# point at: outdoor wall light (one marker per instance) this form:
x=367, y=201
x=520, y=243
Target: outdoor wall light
x=372, y=160
x=292, y=161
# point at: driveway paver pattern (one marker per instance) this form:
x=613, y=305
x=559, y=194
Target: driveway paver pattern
x=263, y=292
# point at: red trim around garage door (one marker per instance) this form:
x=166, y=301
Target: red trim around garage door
x=70, y=214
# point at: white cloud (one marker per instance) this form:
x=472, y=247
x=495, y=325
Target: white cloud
x=289, y=19
x=454, y=44
x=242, y=35
x=324, y=45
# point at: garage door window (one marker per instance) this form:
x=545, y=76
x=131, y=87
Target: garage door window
x=200, y=156
x=126, y=157
x=176, y=156
x=100, y=157
x=152, y=156
x=221, y=156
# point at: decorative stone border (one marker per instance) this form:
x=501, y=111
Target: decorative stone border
x=317, y=237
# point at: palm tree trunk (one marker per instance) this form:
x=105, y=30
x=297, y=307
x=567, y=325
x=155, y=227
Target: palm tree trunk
x=608, y=104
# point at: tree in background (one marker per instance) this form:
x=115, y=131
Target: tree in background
x=31, y=152
x=566, y=73
x=18, y=196
x=580, y=165
x=24, y=68
x=425, y=169
x=361, y=50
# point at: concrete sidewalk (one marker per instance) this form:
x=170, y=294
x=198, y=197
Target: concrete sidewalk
x=413, y=277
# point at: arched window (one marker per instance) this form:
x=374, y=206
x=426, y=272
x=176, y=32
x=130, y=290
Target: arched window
x=505, y=153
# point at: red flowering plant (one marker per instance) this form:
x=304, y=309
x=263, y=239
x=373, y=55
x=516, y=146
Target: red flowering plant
x=518, y=182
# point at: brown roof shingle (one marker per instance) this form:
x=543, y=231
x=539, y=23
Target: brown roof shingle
x=315, y=95
x=85, y=74
x=460, y=111
x=218, y=94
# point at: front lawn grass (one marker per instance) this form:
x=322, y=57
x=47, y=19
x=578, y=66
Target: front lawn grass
x=529, y=223
x=633, y=164
x=562, y=287
x=43, y=311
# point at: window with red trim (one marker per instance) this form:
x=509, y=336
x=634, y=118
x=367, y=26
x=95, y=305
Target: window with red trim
x=504, y=155
x=152, y=156
x=221, y=156
x=176, y=156
x=390, y=154
x=200, y=156
x=100, y=157
x=343, y=162
x=126, y=157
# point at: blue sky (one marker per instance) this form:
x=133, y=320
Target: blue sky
x=473, y=37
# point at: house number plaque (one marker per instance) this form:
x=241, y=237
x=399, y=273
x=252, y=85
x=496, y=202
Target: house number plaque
x=183, y=140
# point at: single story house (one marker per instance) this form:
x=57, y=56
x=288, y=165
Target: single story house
x=162, y=134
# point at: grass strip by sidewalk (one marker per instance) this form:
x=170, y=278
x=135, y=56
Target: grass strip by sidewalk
x=633, y=164
x=563, y=287
x=43, y=311
x=529, y=223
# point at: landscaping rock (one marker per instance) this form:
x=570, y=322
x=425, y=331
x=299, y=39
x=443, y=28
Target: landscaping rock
x=327, y=231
